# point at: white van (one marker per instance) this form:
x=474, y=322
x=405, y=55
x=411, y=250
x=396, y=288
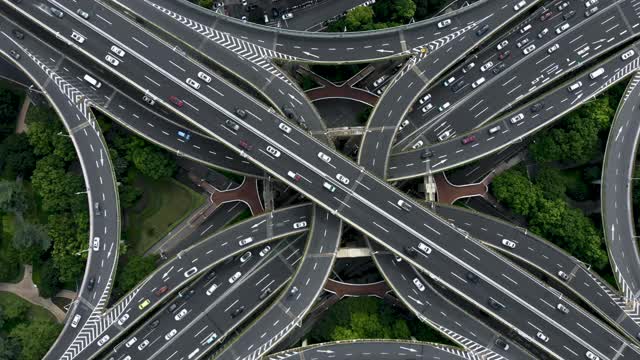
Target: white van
x=92, y=81
x=444, y=106
x=477, y=83
x=525, y=29
x=329, y=187
x=449, y=81
x=575, y=86
x=596, y=73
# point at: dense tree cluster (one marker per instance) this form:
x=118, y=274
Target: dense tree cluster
x=548, y=214
x=22, y=338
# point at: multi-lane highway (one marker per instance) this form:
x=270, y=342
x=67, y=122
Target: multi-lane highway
x=617, y=209
x=377, y=215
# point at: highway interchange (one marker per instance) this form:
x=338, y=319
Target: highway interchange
x=365, y=202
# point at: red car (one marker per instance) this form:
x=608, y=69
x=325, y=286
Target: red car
x=162, y=290
x=175, y=101
x=504, y=55
x=469, y=139
x=245, y=145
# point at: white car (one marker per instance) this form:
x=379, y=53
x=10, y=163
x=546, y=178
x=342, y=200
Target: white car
x=502, y=44
x=273, y=151
x=235, y=277
x=111, y=60
x=422, y=246
x=103, y=340
x=343, y=179
x=379, y=81
x=542, y=336
x=76, y=320
x=522, y=43
x=96, y=244
x=77, y=37
x=478, y=82
x=592, y=356
x=211, y=289
x=246, y=241
x=627, y=55
x=417, y=144
x=131, y=341
x=529, y=49
x=418, y=284
x=425, y=98
x=299, y=224
x=194, y=84
x=264, y=251
x=427, y=108
x=181, y=314
x=508, y=243
x=190, y=272
x=116, y=50
x=170, y=334
x=562, y=28
x=123, y=319
x=449, y=81
x=519, y=5
x=85, y=15
x=324, y=157
x=246, y=256
x=287, y=16
x=445, y=135
x=517, y=118
x=543, y=33
x=204, y=77
x=403, y=124
x=284, y=127
x=590, y=3
x=553, y=48
x=444, y=23
x=143, y=344
x=486, y=66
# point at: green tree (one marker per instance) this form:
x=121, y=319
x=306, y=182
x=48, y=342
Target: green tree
x=153, y=162
x=360, y=18
x=13, y=198
x=206, y=3
x=128, y=195
x=49, y=283
x=9, y=107
x=56, y=187
x=31, y=240
x=14, y=310
x=16, y=156
x=134, y=270
x=516, y=191
x=35, y=338
x=552, y=183
x=9, y=349
x=47, y=135
x=70, y=237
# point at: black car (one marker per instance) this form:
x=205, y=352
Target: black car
x=210, y=275
x=186, y=295
x=502, y=344
x=275, y=13
x=237, y=311
x=495, y=304
x=536, y=107
x=483, y=30
x=91, y=283
x=569, y=15
x=457, y=86
x=411, y=251
x=265, y=293
x=498, y=69
x=155, y=324
x=172, y=308
x=472, y=277
x=18, y=34
x=14, y=54
x=241, y=113
x=288, y=112
x=426, y=154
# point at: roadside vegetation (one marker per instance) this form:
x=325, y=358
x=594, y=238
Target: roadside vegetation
x=26, y=331
x=370, y=318
x=554, y=191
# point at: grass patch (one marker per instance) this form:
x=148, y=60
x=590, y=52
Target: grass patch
x=163, y=205
x=242, y=216
x=34, y=312
x=231, y=176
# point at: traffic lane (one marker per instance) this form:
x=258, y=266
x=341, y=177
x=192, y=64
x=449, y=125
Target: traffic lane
x=617, y=210
x=257, y=273
x=368, y=349
x=513, y=84
x=280, y=90
x=247, y=294
x=458, y=99
x=452, y=153
x=436, y=308
x=546, y=257
x=245, y=124
x=309, y=279
x=199, y=254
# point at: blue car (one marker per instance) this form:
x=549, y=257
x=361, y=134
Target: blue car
x=185, y=135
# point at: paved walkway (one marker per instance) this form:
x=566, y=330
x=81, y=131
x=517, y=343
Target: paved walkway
x=27, y=290
x=448, y=193
x=21, y=125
